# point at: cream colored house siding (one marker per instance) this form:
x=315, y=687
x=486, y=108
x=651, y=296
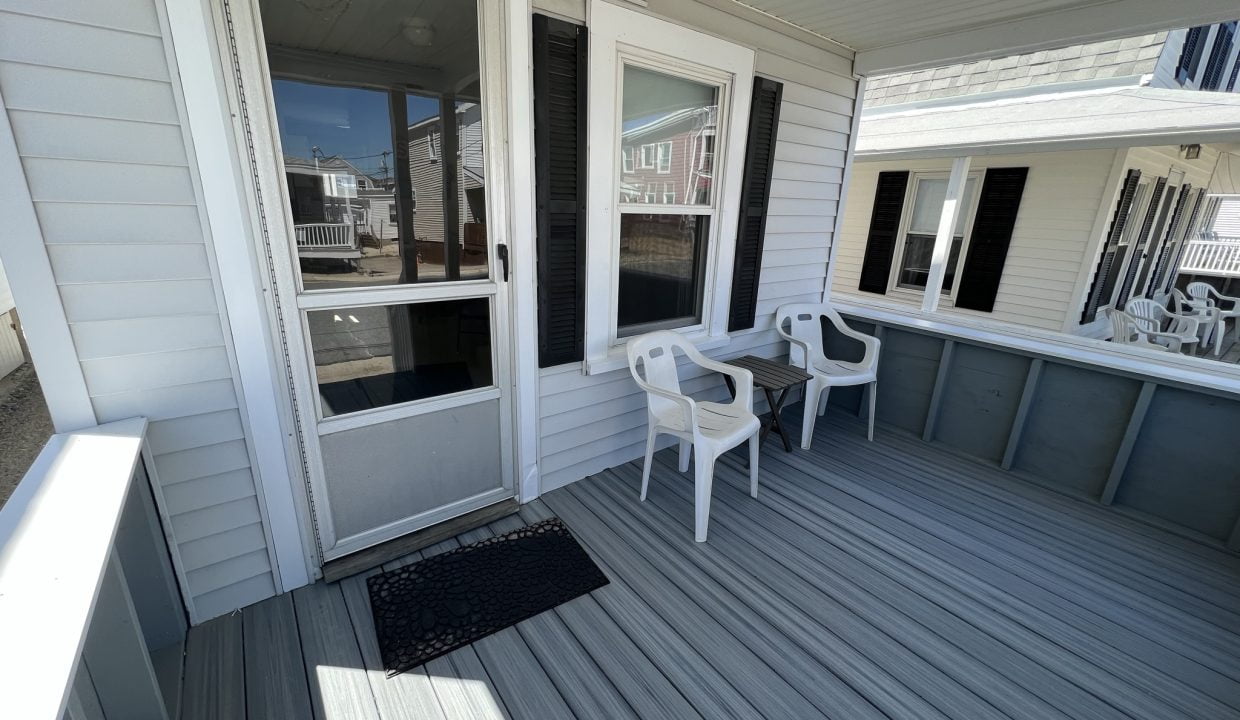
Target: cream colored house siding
x=98, y=123
x=1049, y=243
x=589, y=423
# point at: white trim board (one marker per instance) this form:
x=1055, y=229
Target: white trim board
x=214, y=154
x=34, y=287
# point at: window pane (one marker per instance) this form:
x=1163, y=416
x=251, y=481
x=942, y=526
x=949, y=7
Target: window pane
x=915, y=263
x=661, y=264
x=386, y=187
x=928, y=206
x=370, y=357
x=668, y=135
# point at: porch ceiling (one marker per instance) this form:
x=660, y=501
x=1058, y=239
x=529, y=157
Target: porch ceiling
x=891, y=35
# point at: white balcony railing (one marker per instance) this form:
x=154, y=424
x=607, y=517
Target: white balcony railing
x=326, y=236
x=89, y=610
x=1212, y=255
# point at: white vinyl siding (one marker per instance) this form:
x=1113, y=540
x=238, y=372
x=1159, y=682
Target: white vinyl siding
x=588, y=423
x=6, y=296
x=1227, y=222
x=98, y=124
x=1049, y=242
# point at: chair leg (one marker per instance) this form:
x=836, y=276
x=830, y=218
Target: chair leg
x=813, y=396
x=754, y=446
x=704, y=477
x=822, y=402
x=873, y=400
x=685, y=446
x=650, y=437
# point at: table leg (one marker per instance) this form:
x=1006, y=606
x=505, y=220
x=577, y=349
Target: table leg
x=776, y=406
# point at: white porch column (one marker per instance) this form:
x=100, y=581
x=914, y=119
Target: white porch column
x=943, y=240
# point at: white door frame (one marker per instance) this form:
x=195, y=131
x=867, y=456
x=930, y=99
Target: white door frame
x=504, y=37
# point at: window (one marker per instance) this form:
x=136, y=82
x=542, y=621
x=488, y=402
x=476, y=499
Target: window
x=928, y=194
x=647, y=159
x=664, y=261
x=706, y=154
x=1132, y=226
x=628, y=159
x=664, y=158
x=392, y=214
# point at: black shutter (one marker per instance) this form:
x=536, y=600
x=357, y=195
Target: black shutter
x=1190, y=227
x=1169, y=242
x=755, y=192
x=880, y=245
x=992, y=234
x=1235, y=71
x=560, y=172
x=1099, y=289
x=1190, y=54
x=1137, y=248
x=1217, y=64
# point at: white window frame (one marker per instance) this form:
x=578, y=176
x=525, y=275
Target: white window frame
x=663, y=157
x=619, y=36
x=669, y=193
x=627, y=158
x=646, y=160
x=906, y=216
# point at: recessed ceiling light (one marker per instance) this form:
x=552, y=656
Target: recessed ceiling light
x=418, y=31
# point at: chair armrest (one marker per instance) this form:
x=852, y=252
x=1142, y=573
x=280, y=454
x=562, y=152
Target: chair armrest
x=688, y=407
x=871, y=343
x=1174, y=342
x=805, y=350
x=742, y=379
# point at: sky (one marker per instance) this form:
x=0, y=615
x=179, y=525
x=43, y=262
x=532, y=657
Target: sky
x=350, y=122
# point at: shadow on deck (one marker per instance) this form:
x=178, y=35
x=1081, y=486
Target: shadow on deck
x=885, y=579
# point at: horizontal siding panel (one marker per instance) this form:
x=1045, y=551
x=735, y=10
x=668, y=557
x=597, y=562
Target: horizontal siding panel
x=808, y=172
x=87, y=138
x=789, y=273
x=123, y=374
x=121, y=223
x=225, y=573
x=796, y=152
x=131, y=15
x=237, y=595
x=216, y=519
x=199, y=493
x=167, y=403
x=113, y=301
x=821, y=100
x=805, y=190
x=798, y=114
x=32, y=87
x=145, y=262
x=783, y=224
x=804, y=135
x=797, y=207
x=113, y=338
x=54, y=180
x=204, y=461
x=169, y=436
x=781, y=242
x=796, y=257
x=225, y=546
x=41, y=41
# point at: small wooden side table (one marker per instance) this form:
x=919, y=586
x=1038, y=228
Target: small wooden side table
x=770, y=376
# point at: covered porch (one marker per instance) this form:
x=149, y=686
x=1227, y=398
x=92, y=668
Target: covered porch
x=884, y=579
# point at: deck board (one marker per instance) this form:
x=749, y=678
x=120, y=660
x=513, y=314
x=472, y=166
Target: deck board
x=884, y=579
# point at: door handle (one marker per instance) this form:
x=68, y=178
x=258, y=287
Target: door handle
x=501, y=250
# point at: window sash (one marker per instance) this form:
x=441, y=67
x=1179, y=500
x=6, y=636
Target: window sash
x=955, y=259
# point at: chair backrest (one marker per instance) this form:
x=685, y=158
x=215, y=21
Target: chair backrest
x=1200, y=290
x=1145, y=313
x=652, y=361
x=803, y=321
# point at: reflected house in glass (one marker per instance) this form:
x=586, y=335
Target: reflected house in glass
x=427, y=173
x=336, y=207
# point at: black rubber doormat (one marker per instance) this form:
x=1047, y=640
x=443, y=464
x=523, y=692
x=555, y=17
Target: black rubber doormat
x=435, y=606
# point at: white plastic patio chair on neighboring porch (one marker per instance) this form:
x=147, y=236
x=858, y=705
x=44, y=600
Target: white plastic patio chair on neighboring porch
x=1148, y=315
x=710, y=428
x=801, y=325
x=1203, y=292
x=1126, y=331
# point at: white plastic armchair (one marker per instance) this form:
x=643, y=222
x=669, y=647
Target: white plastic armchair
x=1228, y=308
x=1149, y=318
x=710, y=428
x=801, y=325
x=1126, y=331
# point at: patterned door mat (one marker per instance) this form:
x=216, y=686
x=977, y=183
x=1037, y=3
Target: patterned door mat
x=435, y=606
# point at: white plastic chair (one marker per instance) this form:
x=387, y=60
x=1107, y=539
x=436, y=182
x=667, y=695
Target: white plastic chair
x=710, y=428
x=1149, y=317
x=1210, y=328
x=801, y=325
x=1126, y=331
x=1203, y=292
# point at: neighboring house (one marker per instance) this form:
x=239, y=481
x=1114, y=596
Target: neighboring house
x=1079, y=140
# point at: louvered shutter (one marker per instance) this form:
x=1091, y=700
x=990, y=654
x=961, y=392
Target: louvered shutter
x=755, y=193
x=1170, y=241
x=880, y=246
x=1190, y=230
x=1190, y=53
x=1097, y=290
x=997, y=209
x=1138, y=243
x=1217, y=64
x=560, y=174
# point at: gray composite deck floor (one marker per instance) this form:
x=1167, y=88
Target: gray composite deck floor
x=885, y=579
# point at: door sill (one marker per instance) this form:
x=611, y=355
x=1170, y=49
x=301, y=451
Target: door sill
x=376, y=555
